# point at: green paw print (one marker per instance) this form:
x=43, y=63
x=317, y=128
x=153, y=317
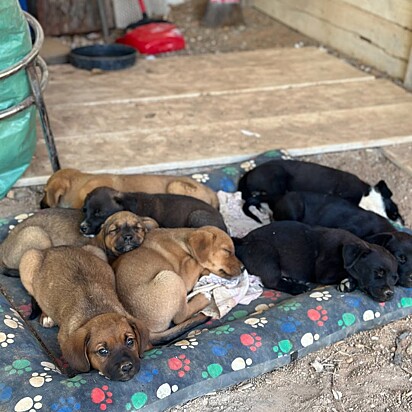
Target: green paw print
x=348, y=319
x=231, y=171
x=137, y=401
x=74, y=382
x=283, y=347
x=273, y=153
x=238, y=314
x=152, y=354
x=213, y=371
x=19, y=366
x=226, y=329
x=288, y=306
x=405, y=302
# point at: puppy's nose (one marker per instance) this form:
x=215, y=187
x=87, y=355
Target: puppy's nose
x=128, y=238
x=83, y=227
x=126, y=366
x=388, y=293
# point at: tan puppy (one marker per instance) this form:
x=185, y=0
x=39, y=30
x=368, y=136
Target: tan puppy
x=120, y=233
x=69, y=187
x=76, y=289
x=153, y=281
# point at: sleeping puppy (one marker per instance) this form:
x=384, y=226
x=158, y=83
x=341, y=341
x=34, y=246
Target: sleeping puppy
x=75, y=289
x=69, y=187
x=153, y=281
x=289, y=256
x=334, y=212
x=171, y=211
x=268, y=181
x=120, y=233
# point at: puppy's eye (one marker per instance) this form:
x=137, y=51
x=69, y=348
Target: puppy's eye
x=129, y=342
x=229, y=252
x=402, y=259
x=114, y=230
x=103, y=352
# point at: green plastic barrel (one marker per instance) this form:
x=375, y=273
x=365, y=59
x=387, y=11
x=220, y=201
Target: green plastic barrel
x=18, y=132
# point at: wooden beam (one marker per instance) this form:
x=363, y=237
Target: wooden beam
x=407, y=81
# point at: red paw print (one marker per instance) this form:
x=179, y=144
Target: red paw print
x=102, y=396
x=318, y=315
x=271, y=294
x=252, y=340
x=181, y=364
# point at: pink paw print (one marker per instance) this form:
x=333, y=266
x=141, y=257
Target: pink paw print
x=102, y=396
x=271, y=294
x=252, y=340
x=318, y=315
x=180, y=364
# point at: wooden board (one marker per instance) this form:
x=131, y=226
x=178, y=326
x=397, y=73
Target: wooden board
x=197, y=110
x=358, y=33
x=401, y=155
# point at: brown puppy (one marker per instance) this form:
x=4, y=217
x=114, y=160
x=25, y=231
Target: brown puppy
x=152, y=282
x=120, y=233
x=76, y=289
x=69, y=187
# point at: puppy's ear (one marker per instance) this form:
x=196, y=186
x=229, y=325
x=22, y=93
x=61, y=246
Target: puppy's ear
x=383, y=189
x=142, y=334
x=118, y=198
x=200, y=242
x=381, y=239
x=149, y=223
x=74, y=350
x=56, y=190
x=352, y=253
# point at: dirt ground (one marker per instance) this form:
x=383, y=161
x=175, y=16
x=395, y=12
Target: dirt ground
x=370, y=371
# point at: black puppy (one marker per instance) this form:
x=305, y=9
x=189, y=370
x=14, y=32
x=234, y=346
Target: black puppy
x=171, y=211
x=288, y=255
x=331, y=211
x=276, y=177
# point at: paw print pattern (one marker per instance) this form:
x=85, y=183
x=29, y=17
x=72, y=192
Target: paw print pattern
x=220, y=348
x=263, y=307
x=405, y=302
x=240, y=363
x=318, y=315
x=6, y=340
x=237, y=314
x=146, y=375
x=289, y=306
x=223, y=329
x=252, y=340
x=6, y=393
x=25, y=310
x=201, y=177
x=37, y=380
x=74, y=382
x=102, y=397
x=283, y=347
x=18, y=366
x=370, y=315
x=271, y=294
x=256, y=322
x=152, y=354
x=180, y=364
x=213, y=371
x=165, y=390
x=308, y=339
x=196, y=332
x=249, y=165
x=22, y=216
x=290, y=325
x=348, y=319
x=320, y=296
x=137, y=401
x=29, y=404
x=12, y=322
x=187, y=343
x=66, y=405
x=48, y=366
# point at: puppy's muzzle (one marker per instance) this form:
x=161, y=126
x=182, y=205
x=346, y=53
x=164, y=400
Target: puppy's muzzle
x=85, y=229
x=43, y=204
x=127, y=243
x=125, y=369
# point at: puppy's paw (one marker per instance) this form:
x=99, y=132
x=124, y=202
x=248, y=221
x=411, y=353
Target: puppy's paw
x=46, y=321
x=347, y=285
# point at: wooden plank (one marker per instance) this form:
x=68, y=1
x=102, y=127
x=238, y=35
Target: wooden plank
x=129, y=116
x=182, y=75
x=327, y=32
x=398, y=12
x=407, y=81
x=93, y=151
x=401, y=155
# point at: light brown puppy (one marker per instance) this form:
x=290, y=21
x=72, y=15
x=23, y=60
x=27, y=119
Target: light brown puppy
x=69, y=187
x=76, y=289
x=120, y=233
x=152, y=282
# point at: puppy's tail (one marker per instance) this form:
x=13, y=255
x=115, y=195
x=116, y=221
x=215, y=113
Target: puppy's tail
x=162, y=338
x=252, y=201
